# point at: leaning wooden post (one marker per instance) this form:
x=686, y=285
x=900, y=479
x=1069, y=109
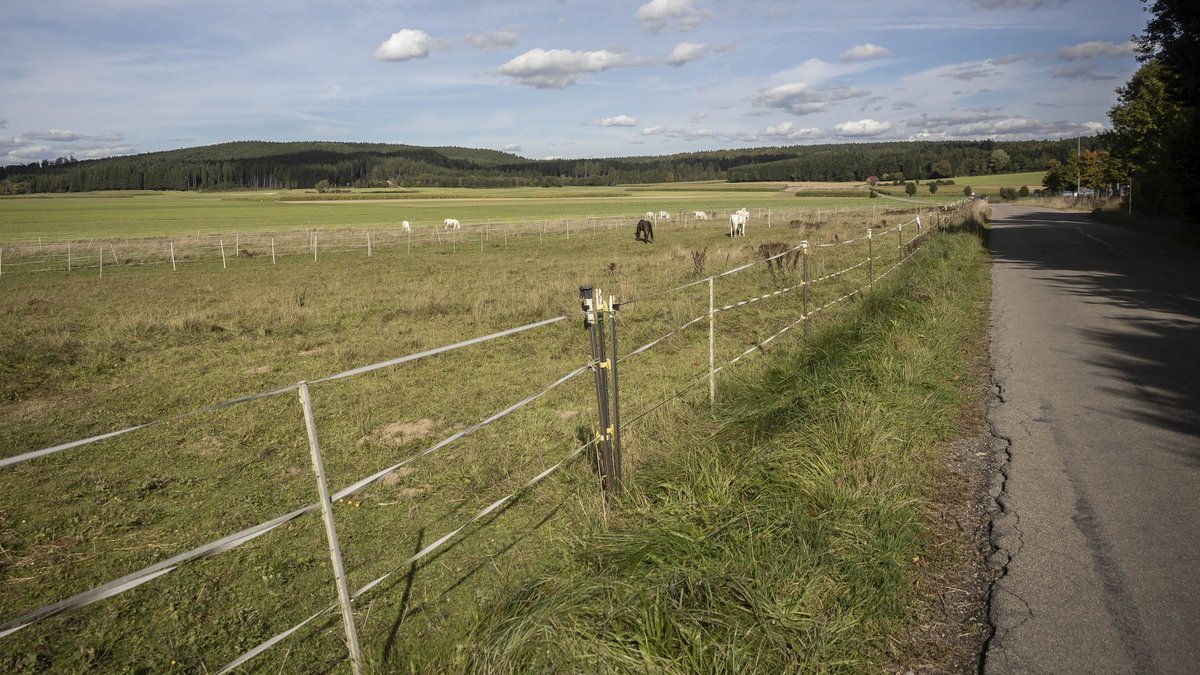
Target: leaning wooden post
x=223, y=265
x=173, y=268
x=900, y=243
x=237, y=243
x=314, y=245
x=368, y=243
x=68, y=256
x=272, y=250
x=335, y=551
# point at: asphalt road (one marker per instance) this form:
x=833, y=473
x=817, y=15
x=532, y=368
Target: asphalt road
x=1096, y=355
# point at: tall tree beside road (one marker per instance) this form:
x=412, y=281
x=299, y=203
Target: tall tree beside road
x=1154, y=122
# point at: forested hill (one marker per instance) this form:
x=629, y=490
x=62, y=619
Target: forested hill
x=255, y=164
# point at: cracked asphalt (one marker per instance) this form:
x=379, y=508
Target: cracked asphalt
x=1096, y=421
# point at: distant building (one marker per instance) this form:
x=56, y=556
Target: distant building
x=872, y=180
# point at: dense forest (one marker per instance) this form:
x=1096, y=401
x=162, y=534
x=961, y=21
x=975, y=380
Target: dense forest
x=256, y=165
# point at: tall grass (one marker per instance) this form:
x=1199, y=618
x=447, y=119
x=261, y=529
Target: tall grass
x=782, y=531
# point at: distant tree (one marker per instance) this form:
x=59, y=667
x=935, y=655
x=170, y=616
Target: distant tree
x=999, y=160
x=941, y=169
x=1024, y=191
x=874, y=194
x=910, y=189
x=322, y=186
x=932, y=188
x=967, y=191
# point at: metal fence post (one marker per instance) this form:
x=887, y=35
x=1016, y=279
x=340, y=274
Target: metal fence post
x=592, y=302
x=335, y=551
x=616, y=398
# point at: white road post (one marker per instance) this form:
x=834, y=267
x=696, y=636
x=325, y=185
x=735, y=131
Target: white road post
x=712, y=375
x=335, y=551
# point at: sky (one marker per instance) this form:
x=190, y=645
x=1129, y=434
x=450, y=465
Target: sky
x=554, y=78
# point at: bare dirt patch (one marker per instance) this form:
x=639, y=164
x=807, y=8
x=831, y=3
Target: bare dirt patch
x=399, y=433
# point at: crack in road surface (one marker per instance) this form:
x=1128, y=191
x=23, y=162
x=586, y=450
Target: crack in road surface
x=1095, y=420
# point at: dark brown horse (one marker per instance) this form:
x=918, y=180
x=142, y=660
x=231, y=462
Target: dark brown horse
x=644, y=231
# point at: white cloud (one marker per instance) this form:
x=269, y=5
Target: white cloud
x=658, y=14
x=685, y=52
x=797, y=98
x=1094, y=49
x=972, y=72
x=492, y=40
x=685, y=134
x=788, y=131
x=1024, y=127
x=865, y=52
x=95, y=153
x=1081, y=72
x=927, y=121
x=617, y=121
x=513, y=147
x=404, y=45
x=559, y=68
x=862, y=128
x=1011, y=58
x=54, y=135
x=1017, y=4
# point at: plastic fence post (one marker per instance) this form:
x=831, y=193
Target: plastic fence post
x=804, y=285
x=712, y=346
x=870, y=259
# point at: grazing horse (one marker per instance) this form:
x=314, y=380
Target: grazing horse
x=644, y=231
x=406, y=226
x=737, y=224
x=451, y=224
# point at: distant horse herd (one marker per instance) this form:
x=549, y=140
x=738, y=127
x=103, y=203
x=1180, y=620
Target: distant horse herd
x=644, y=232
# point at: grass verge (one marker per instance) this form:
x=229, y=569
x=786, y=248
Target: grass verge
x=786, y=531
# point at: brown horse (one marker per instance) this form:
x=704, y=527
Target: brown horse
x=644, y=231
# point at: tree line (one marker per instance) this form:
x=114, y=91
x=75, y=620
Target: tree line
x=302, y=165
x=1155, y=136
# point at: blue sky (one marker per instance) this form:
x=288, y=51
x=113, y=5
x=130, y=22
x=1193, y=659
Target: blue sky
x=554, y=78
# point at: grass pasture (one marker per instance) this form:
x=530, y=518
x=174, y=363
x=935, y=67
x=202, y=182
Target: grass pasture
x=81, y=356
x=83, y=216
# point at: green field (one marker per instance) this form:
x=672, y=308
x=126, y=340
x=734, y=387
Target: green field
x=83, y=216
x=80, y=355
x=1031, y=179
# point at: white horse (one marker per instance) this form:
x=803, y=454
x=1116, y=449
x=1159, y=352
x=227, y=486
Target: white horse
x=663, y=215
x=406, y=226
x=651, y=216
x=699, y=215
x=451, y=224
x=737, y=223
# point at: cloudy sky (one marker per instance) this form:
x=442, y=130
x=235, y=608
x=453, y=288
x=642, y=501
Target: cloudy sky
x=554, y=78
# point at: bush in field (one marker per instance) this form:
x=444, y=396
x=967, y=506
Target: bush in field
x=1024, y=191
x=932, y=188
x=1008, y=194
x=910, y=189
x=967, y=191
